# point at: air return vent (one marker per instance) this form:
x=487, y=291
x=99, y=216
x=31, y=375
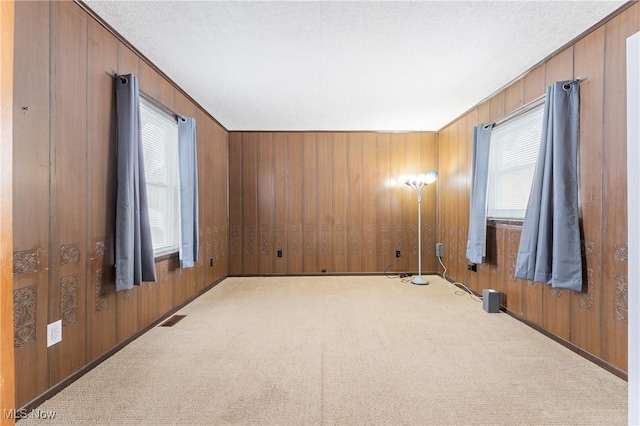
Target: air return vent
x=173, y=320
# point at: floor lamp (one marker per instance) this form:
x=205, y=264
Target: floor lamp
x=418, y=183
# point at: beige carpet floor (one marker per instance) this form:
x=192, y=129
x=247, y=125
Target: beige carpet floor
x=341, y=351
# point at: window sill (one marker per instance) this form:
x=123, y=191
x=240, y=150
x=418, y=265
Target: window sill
x=166, y=256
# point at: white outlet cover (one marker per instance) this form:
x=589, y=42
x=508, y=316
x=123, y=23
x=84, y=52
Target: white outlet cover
x=54, y=333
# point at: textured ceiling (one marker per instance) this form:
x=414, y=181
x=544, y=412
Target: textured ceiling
x=333, y=65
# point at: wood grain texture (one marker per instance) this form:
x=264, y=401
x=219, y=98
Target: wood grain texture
x=235, y=204
x=586, y=306
x=369, y=216
x=471, y=121
x=295, y=168
x=310, y=217
x=101, y=158
x=354, y=204
x=614, y=200
x=324, y=150
x=383, y=202
x=339, y=202
x=266, y=205
x=280, y=219
x=397, y=198
x=7, y=372
x=67, y=285
x=249, y=204
x=31, y=184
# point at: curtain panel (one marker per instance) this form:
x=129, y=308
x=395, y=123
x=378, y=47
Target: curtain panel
x=550, y=250
x=476, y=243
x=134, y=258
x=188, y=163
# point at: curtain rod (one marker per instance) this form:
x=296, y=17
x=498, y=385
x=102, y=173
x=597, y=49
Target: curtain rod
x=150, y=98
x=527, y=107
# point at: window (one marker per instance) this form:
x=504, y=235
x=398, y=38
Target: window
x=160, y=147
x=512, y=161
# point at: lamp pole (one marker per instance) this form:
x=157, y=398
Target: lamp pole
x=419, y=280
x=418, y=183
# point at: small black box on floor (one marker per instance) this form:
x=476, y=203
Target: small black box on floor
x=491, y=300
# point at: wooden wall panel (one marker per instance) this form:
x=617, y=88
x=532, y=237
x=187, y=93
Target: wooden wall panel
x=472, y=120
x=280, y=219
x=101, y=154
x=250, y=204
x=235, y=204
x=369, y=242
x=339, y=201
x=265, y=202
x=463, y=190
x=585, y=306
x=354, y=202
x=383, y=201
x=7, y=330
x=31, y=200
x=295, y=246
x=310, y=217
x=321, y=195
x=218, y=183
x=397, y=196
x=324, y=150
x=67, y=285
x=452, y=213
x=614, y=247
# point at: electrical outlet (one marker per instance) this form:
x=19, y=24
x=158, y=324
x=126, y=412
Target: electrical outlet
x=397, y=253
x=211, y=261
x=279, y=252
x=472, y=267
x=54, y=333
x=439, y=249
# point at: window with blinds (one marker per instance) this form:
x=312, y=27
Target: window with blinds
x=512, y=161
x=160, y=148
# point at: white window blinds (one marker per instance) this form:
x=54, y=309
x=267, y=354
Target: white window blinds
x=512, y=160
x=160, y=146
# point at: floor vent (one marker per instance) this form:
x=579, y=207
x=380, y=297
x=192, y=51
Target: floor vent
x=173, y=320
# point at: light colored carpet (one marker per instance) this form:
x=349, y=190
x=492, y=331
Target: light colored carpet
x=341, y=351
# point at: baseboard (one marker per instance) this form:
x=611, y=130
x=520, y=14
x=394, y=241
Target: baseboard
x=37, y=401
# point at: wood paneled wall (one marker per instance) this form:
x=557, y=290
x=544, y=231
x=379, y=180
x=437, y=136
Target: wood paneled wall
x=7, y=372
x=64, y=186
x=596, y=319
x=326, y=199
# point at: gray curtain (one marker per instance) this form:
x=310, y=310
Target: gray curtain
x=188, y=191
x=133, y=246
x=550, y=249
x=476, y=242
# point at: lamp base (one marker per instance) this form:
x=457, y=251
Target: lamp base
x=419, y=280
